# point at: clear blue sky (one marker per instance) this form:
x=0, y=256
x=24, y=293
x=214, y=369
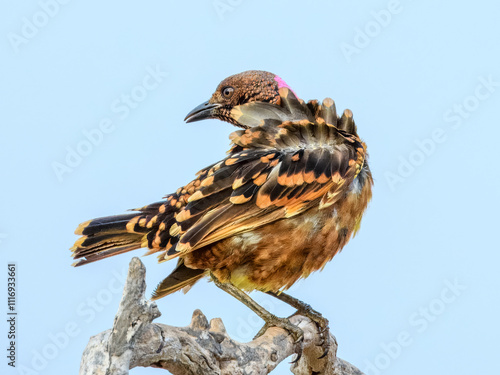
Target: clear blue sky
x=415, y=292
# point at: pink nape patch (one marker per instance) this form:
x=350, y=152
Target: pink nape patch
x=282, y=83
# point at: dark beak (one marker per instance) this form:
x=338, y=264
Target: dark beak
x=202, y=112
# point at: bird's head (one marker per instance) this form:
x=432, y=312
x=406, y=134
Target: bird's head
x=252, y=86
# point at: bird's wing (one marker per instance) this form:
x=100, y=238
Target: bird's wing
x=277, y=170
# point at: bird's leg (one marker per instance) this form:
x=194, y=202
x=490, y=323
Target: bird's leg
x=306, y=310
x=270, y=319
x=302, y=308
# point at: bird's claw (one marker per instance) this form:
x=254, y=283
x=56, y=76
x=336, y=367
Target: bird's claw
x=323, y=328
x=284, y=323
x=324, y=353
x=298, y=348
x=325, y=340
x=299, y=356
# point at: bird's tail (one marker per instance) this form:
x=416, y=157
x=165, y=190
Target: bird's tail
x=107, y=236
x=181, y=278
x=113, y=235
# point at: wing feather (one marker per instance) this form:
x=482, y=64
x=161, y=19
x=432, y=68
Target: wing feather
x=274, y=171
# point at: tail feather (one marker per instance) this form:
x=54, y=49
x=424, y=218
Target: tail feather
x=107, y=236
x=94, y=257
x=109, y=224
x=180, y=278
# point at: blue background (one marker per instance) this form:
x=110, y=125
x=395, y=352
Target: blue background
x=432, y=222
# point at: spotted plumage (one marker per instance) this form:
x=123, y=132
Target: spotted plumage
x=288, y=196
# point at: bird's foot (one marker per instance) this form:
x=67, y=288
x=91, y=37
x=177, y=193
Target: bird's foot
x=306, y=310
x=274, y=321
x=296, y=332
x=322, y=324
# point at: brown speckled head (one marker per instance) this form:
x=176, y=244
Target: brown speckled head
x=246, y=87
x=238, y=89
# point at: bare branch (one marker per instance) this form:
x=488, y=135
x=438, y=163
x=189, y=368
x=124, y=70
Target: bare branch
x=201, y=348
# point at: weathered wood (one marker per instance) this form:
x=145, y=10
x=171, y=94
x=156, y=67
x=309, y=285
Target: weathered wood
x=201, y=348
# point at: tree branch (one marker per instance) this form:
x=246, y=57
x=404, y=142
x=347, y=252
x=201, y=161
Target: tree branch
x=200, y=348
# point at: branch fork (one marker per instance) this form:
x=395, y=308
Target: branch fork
x=202, y=347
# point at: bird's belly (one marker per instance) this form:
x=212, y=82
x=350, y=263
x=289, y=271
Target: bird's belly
x=275, y=256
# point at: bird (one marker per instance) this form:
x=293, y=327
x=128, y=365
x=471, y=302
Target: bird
x=288, y=196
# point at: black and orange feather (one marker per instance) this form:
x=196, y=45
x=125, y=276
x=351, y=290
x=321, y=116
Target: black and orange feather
x=292, y=158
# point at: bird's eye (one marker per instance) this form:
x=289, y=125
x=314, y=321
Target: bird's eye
x=227, y=92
